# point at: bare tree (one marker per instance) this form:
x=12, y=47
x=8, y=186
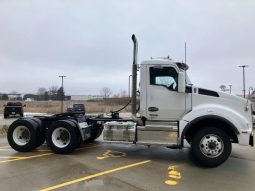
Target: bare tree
x=223, y=88
x=41, y=93
x=53, y=90
x=106, y=92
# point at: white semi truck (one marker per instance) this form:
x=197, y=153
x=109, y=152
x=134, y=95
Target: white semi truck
x=170, y=111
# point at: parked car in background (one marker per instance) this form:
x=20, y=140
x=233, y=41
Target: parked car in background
x=77, y=108
x=13, y=108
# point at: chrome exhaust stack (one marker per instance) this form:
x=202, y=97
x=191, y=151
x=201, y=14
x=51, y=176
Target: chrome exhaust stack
x=134, y=76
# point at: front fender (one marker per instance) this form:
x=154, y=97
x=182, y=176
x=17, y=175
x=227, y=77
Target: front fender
x=239, y=122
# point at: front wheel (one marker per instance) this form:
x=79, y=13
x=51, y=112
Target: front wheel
x=210, y=147
x=62, y=137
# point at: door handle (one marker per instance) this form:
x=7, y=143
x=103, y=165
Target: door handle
x=152, y=109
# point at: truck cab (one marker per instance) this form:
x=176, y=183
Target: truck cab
x=168, y=95
x=163, y=90
x=174, y=110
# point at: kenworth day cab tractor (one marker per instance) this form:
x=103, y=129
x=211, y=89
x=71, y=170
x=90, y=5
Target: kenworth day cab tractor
x=171, y=110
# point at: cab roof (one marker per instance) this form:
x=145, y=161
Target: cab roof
x=180, y=65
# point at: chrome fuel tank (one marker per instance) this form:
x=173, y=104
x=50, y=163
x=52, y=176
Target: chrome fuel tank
x=119, y=131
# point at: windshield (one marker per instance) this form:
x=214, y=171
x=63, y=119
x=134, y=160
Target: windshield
x=188, y=82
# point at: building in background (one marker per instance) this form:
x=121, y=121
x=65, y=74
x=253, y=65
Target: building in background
x=86, y=97
x=11, y=97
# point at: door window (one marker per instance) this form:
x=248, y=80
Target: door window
x=164, y=76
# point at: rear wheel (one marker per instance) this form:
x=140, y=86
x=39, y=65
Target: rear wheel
x=74, y=123
x=22, y=135
x=41, y=132
x=210, y=147
x=62, y=137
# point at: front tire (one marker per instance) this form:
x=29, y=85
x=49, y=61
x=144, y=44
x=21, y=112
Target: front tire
x=62, y=137
x=210, y=147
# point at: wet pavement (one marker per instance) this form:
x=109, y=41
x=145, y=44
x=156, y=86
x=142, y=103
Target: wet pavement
x=101, y=166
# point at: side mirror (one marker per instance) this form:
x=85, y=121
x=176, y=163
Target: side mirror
x=181, y=82
x=24, y=105
x=4, y=105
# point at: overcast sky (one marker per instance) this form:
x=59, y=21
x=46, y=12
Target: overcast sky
x=90, y=41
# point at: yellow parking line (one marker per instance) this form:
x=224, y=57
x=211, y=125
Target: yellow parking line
x=6, y=157
x=8, y=148
x=41, y=150
x=25, y=158
x=95, y=175
x=11, y=159
x=5, y=147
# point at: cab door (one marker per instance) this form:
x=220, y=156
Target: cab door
x=163, y=100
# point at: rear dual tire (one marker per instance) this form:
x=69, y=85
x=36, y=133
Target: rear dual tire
x=63, y=137
x=41, y=132
x=22, y=135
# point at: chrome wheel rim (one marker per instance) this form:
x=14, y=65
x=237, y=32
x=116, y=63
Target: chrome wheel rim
x=61, y=137
x=211, y=145
x=21, y=135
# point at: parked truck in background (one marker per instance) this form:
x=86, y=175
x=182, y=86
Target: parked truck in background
x=13, y=109
x=171, y=110
x=78, y=108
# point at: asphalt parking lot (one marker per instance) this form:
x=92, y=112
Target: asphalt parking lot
x=101, y=166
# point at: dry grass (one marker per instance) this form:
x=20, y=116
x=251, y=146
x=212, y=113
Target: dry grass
x=3, y=130
x=52, y=107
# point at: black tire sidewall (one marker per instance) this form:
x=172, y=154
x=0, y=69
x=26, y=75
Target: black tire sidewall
x=197, y=155
x=32, y=129
x=40, y=131
x=73, y=139
x=74, y=123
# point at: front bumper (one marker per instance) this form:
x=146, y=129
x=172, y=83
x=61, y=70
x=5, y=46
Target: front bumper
x=251, y=142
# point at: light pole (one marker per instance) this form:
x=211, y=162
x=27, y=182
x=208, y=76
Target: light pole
x=129, y=85
x=243, y=66
x=62, y=93
x=230, y=86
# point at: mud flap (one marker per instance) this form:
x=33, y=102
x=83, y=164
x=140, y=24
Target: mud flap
x=251, y=142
